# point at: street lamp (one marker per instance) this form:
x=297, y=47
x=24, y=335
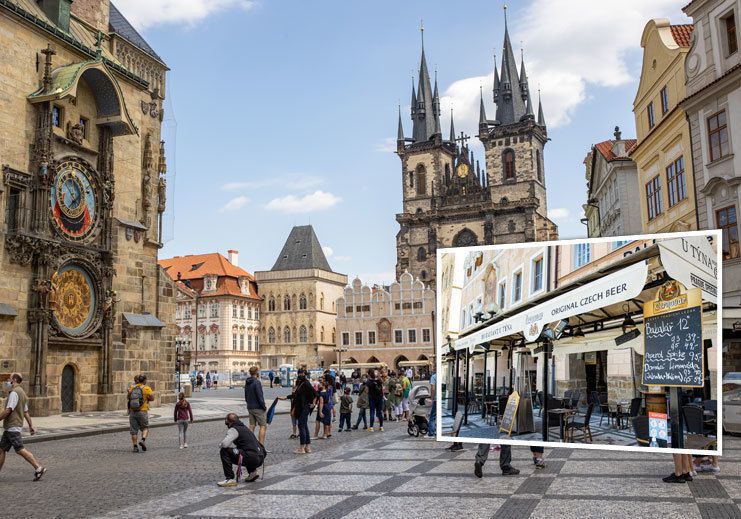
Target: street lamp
x=339, y=351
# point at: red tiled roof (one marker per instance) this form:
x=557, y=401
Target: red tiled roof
x=195, y=266
x=605, y=148
x=682, y=34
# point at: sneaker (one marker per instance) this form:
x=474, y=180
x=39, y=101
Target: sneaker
x=693, y=473
x=252, y=476
x=185, y=446
x=380, y=429
x=713, y=469
x=136, y=448
x=182, y=447
x=477, y=470
x=687, y=477
x=38, y=473
x=510, y=471
x=539, y=463
x=355, y=427
x=673, y=478
x=365, y=427
x=370, y=429
x=143, y=446
x=227, y=483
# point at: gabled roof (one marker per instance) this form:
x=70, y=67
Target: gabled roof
x=682, y=34
x=605, y=148
x=302, y=250
x=119, y=25
x=196, y=266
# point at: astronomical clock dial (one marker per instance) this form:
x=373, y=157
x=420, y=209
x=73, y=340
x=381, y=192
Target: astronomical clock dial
x=462, y=170
x=73, y=201
x=73, y=300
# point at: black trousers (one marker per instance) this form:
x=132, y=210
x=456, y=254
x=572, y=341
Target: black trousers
x=505, y=455
x=250, y=460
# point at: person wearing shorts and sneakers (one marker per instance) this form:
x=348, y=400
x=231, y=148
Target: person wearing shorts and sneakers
x=16, y=409
x=256, y=403
x=139, y=397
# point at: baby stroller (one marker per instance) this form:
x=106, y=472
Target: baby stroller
x=420, y=405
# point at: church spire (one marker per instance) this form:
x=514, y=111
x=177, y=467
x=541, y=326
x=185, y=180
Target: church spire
x=496, y=80
x=483, y=124
x=511, y=104
x=424, y=116
x=541, y=118
x=452, y=127
x=436, y=108
x=400, y=131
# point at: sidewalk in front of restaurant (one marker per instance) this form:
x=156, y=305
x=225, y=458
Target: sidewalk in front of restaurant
x=207, y=406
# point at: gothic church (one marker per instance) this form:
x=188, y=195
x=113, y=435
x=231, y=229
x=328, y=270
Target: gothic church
x=449, y=199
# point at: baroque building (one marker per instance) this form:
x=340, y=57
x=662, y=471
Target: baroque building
x=663, y=151
x=713, y=106
x=390, y=325
x=449, y=198
x=84, y=304
x=612, y=209
x=218, y=309
x=299, y=309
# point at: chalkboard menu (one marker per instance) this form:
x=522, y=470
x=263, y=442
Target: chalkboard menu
x=510, y=413
x=674, y=352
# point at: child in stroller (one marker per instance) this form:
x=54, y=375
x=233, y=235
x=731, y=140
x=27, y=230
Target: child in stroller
x=420, y=405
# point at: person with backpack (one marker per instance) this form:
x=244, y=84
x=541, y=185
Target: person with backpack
x=406, y=385
x=199, y=381
x=139, y=397
x=183, y=416
x=362, y=404
x=239, y=447
x=302, y=403
x=375, y=399
x=345, y=410
x=16, y=409
x=256, y=403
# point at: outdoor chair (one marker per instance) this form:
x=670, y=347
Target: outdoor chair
x=604, y=409
x=693, y=419
x=640, y=426
x=635, y=409
x=573, y=424
x=566, y=398
x=575, y=399
x=710, y=405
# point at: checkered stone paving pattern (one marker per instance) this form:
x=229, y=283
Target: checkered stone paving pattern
x=390, y=475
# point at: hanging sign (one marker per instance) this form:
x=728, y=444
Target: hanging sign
x=510, y=413
x=691, y=261
x=673, y=337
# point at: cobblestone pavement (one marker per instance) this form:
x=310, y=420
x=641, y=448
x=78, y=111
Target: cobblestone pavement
x=357, y=474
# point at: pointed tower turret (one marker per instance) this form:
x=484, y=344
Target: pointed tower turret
x=496, y=80
x=400, y=134
x=452, y=128
x=511, y=105
x=541, y=117
x=424, y=118
x=483, y=124
x=414, y=100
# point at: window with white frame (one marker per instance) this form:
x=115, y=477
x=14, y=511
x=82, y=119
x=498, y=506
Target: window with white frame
x=214, y=309
x=371, y=337
x=241, y=342
x=249, y=342
x=241, y=311
x=426, y=335
x=358, y=338
x=234, y=311
x=234, y=341
x=536, y=274
x=398, y=336
x=412, y=336
x=345, y=338
x=517, y=287
x=582, y=254
x=188, y=311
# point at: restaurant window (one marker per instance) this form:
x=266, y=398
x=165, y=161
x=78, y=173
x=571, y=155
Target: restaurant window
x=675, y=182
x=412, y=336
x=517, y=287
x=731, y=39
x=358, y=338
x=582, y=254
x=537, y=274
x=726, y=220
x=371, y=337
x=425, y=335
x=345, y=338
x=718, y=136
x=653, y=197
x=398, y=336
x=664, y=100
x=650, y=113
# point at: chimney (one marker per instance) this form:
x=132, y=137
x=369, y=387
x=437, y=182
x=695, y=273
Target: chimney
x=618, y=145
x=233, y=257
x=93, y=12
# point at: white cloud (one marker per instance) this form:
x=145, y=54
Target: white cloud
x=327, y=251
x=342, y=258
x=235, y=203
x=565, y=65
x=148, y=13
x=291, y=181
x=387, y=145
x=558, y=213
x=378, y=278
x=316, y=201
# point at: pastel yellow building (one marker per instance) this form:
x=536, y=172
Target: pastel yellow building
x=663, y=151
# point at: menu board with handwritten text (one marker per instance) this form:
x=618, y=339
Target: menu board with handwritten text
x=510, y=413
x=674, y=349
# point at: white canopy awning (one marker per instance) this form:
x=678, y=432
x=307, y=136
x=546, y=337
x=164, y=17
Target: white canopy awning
x=691, y=261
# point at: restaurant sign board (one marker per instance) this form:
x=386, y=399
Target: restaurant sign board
x=691, y=260
x=510, y=413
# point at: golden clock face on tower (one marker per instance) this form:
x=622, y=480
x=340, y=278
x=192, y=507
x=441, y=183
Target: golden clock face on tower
x=73, y=300
x=462, y=170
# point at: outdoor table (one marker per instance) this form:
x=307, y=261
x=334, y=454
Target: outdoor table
x=562, y=413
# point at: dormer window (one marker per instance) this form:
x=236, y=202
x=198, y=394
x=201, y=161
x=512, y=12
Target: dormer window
x=209, y=283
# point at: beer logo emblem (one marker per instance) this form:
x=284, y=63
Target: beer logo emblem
x=669, y=290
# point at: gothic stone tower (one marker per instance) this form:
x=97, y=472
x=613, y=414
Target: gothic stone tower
x=448, y=199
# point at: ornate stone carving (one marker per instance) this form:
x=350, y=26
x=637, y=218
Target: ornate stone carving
x=76, y=133
x=20, y=248
x=147, y=166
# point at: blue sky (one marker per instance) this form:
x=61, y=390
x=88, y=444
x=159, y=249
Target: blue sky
x=280, y=113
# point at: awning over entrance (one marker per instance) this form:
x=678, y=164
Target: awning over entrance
x=412, y=363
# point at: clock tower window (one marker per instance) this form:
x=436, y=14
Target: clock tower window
x=421, y=180
x=508, y=160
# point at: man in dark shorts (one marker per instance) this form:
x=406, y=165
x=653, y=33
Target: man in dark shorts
x=16, y=409
x=139, y=397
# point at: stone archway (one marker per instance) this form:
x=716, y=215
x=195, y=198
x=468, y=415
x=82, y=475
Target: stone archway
x=68, y=391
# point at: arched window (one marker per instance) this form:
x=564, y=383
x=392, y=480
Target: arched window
x=447, y=174
x=411, y=179
x=293, y=301
x=271, y=335
x=286, y=302
x=286, y=334
x=465, y=238
x=538, y=165
x=423, y=275
x=271, y=304
x=302, y=302
x=302, y=335
x=508, y=162
x=421, y=180
x=421, y=254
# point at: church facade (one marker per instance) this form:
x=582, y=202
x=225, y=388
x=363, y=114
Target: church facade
x=450, y=199
x=83, y=303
